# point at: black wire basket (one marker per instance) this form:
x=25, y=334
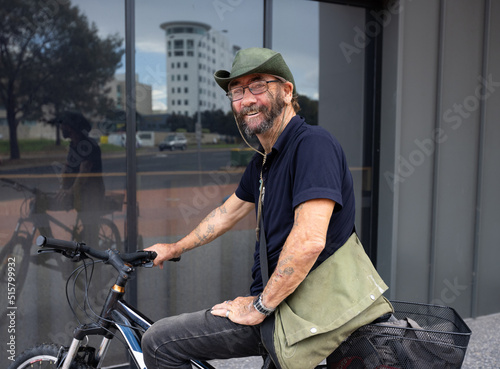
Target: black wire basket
x=420, y=337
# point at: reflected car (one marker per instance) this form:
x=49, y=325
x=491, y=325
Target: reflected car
x=173, y=142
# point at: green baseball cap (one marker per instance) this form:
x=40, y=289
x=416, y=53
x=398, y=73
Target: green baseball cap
x=255, y=60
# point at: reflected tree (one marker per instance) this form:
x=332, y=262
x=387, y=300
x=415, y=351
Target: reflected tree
x=52, y=59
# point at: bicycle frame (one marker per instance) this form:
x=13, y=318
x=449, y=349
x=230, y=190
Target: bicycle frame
x=129, y=321
x=116, y=314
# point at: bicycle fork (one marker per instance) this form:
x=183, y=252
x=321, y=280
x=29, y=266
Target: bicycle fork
x=67, y=356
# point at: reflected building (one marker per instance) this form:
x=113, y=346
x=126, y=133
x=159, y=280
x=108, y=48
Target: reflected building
x=194, y=52
x=144, y=100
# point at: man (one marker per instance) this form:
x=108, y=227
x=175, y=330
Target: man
x=82, y=185
x=301, y=189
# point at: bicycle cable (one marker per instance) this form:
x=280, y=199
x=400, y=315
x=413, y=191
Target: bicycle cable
x=75, y=275
x=139, y=329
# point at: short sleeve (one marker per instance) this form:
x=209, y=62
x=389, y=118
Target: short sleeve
x=318, y=170
x=246, y=187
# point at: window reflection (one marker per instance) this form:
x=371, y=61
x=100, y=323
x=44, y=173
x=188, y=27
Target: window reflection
x=177, y=188
x=178, y=47
x=57, y=175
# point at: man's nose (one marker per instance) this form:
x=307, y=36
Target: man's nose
x=248, y=97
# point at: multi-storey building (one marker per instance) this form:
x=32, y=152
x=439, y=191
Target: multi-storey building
x=144, y=101
x=194, y=53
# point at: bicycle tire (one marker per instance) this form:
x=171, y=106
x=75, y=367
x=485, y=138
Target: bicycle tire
x=17, y=248
x=109, y=235
x=42, y=357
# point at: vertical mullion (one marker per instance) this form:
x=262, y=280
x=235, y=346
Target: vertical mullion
x=131, y=163
x=268, y=24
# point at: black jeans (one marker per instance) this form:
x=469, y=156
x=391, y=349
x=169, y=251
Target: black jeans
x=173, y=341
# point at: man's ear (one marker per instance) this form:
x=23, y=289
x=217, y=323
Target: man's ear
x=288, y=90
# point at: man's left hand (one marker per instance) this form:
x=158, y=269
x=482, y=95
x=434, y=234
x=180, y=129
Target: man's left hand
x=239, y=310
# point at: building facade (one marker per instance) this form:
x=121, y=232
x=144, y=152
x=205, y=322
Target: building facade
x=194, y=52
x=144, y=99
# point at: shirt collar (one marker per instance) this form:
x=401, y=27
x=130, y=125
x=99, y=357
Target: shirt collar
x=288, y=133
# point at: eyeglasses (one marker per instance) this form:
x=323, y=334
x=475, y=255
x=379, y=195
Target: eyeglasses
x=256, y=88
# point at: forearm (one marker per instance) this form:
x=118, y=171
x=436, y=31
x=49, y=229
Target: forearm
x=296, y=260
x=82, y=177
x=304, y=244
x=215, y=224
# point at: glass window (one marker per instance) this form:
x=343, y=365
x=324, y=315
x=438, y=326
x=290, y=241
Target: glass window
x=189, y=197
x=174, y=192
x=336, y=100
x=68, y=158
x=179, y=44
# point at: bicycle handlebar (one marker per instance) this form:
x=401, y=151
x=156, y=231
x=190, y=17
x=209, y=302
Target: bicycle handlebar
x=73, y=248
x=18, y=186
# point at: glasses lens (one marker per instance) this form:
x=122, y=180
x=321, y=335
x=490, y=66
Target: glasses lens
x=258, y=87
x=235, y=94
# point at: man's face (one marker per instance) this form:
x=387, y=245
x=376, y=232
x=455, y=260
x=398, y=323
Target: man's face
x=256, y=114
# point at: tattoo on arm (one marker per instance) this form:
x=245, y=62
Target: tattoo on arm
x=209, y=216
x=202, y=239
x=282, y=269
x=210, y=228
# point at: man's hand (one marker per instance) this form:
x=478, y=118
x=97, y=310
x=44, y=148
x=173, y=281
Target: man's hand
x=165, y=252
x=241, y=311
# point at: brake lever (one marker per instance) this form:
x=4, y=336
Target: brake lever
x=75, y=257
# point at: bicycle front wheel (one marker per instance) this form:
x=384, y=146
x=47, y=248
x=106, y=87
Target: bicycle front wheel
x=42, y=357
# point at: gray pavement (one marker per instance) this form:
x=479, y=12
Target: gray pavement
x=483, y=351
x=484, y=346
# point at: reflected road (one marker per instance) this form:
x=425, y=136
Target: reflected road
x=154, y=170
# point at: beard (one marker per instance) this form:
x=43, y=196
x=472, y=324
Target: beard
x=270, y=113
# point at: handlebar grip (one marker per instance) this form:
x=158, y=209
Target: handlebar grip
x=42, y=241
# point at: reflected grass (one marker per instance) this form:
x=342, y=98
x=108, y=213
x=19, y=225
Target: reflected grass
x=31, y=145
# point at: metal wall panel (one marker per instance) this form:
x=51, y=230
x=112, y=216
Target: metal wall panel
x=441, y=133
x=456, y=164
x=488, y=244
x=413, y=167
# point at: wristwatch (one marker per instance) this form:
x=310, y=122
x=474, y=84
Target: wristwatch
x=259, y=306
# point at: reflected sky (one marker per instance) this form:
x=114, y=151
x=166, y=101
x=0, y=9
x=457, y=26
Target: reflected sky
x=295, y=33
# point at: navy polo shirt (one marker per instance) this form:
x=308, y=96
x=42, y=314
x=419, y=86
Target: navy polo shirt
x=306, y=163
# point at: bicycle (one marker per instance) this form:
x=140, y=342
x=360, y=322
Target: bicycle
x=28, y=225
x=116, y=314
x=442, y=339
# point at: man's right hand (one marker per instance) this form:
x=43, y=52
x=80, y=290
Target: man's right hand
x=165, y=252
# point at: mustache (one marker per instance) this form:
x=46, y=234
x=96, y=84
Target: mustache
x=251, y=109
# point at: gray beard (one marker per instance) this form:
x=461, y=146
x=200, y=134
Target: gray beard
x=270, y=115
